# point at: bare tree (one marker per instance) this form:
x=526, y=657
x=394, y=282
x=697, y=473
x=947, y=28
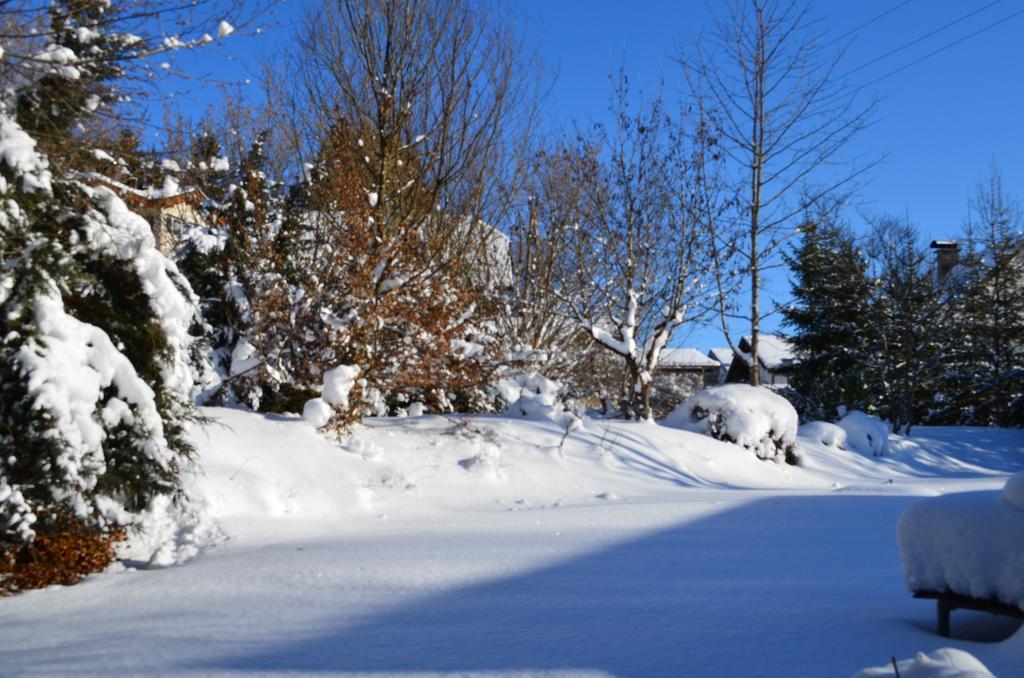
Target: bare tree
x=534, y=322
x=436, y=99
x=641, y=250
x=767, y=80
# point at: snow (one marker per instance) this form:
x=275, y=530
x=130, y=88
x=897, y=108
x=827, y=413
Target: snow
x=865, y=434
x=685, y=357
x=944, y=663
x=220, y=164
x=971, y=543
x=70, y=366
x=338, y=384
x=244, y=357
x=63, y=60
x=121, y=233
x=1013, y=491
x=755, y=418
x=826, y=433
x=317, y=412
x=640, y=550
x=723, y=356
x=532, y=395
x=773, y=351
x=18, y=152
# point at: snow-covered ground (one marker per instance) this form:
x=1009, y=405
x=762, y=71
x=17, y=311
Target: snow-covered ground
x=482, y=545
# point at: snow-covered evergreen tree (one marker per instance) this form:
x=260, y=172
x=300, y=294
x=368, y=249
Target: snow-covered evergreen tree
x=983, y=377
x=828, y=319
x=903, y=324
x=94, y=375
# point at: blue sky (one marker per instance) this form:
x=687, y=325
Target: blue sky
x=941, y=123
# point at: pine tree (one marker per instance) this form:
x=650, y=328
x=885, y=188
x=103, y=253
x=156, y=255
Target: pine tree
x=904, y=326
x=94, y=376
x=984, y=378
x=827, y=320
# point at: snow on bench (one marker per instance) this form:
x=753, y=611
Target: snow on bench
x=966, y=550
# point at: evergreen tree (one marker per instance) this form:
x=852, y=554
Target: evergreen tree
x=983, y=382
x=94, y=375
x=904, y=354
x=827, y=320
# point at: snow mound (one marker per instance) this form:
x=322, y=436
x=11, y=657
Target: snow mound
x=1013, y=491
x=755, y=418
x=825, y=433
x=256, y=469
x=317, y=412
x=971, y=543
x=945, y=663
x=865, y=434
x=170, y=533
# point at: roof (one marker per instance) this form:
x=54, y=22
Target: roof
x=168, y=194
x=685, y=357
x=773, y=351
x=722, y=355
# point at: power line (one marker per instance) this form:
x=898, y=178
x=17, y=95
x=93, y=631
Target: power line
x=871, y=21
x=944, y=48
x=927, y=35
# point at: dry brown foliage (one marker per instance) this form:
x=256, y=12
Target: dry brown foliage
x=64, y=551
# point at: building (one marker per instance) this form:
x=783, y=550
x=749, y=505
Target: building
x=680, y=372
x=775, y=357
x=172, y=210
x=723, y=356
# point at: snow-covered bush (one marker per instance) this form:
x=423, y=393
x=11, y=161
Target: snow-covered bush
x=826, y=433
x=865, y=434
x=971, y=543
x=528, y=394
x=334, y=397
x=532, y=395
x=750, y=416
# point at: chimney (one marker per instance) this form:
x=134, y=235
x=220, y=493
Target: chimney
x=947, y=256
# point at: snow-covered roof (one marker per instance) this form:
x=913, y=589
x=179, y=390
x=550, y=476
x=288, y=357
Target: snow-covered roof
x=685, y=357
x=169, y=189
x=773, y=351
x=722, y=355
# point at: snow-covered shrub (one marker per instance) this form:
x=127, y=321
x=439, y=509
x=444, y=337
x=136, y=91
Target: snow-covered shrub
x=753, y=417
x=532, y=395
x=865, y=434
x=528, y=394
x=826, y=433
x=334, y=397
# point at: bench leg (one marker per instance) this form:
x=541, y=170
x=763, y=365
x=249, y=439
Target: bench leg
x=943, y=608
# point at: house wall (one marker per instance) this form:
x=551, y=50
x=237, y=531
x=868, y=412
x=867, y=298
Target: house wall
x=673, y=386
x=170, y=223
x=773, y=378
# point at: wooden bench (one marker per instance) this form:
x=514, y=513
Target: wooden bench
x=947, y=601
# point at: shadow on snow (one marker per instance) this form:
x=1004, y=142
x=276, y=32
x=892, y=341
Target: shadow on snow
x=794, y=586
